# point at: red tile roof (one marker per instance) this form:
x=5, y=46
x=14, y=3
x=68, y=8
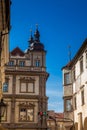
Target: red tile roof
x=17, y=51
x=55, y=115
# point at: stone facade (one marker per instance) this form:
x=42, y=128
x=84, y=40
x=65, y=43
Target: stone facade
x=25, y=87
x=4, y=38
x=76, y=79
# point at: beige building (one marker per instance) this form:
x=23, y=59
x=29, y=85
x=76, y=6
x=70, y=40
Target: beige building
x=25, y=87
x=4, y=38
x=56, y=121
x=75, y=88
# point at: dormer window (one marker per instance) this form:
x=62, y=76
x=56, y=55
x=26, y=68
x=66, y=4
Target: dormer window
x=21, y=63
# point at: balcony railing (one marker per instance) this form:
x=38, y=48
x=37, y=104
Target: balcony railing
x=24, y=68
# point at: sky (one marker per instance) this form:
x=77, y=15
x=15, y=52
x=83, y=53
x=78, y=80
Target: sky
x=62, y=24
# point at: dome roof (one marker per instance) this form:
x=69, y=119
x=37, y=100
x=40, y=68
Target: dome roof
x=34, y=43
x=37, y=46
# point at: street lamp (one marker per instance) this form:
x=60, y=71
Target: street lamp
x=2, y=108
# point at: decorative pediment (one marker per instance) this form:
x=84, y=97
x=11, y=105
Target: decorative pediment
x=29, y=79
x=27, y=104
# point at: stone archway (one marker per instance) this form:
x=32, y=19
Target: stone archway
x=85, y=124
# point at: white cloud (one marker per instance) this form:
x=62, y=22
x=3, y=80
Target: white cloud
x=54, y=93
x=56, y=106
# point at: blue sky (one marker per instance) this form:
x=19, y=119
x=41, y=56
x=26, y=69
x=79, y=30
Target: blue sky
x=62, y=23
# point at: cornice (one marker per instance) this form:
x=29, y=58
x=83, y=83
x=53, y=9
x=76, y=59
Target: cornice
x=25, y=96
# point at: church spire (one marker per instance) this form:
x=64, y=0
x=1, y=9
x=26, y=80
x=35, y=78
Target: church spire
x=37, y=34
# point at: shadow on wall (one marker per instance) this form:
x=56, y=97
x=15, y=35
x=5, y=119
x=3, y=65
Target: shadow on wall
x=85, y=124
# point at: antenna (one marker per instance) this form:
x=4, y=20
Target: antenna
x=69, y=52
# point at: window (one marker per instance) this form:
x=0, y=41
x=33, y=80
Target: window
x=4, y=117
x=27, y=87
x=68, y=105
x=75, y=103
x=67, y=78
x=82, y=97
x=73, y=74
x=81, y=65
x=5, y=87
x=21, y=63
x=26, y=114
x=86, y=59
x=37, y=63
x=80, y=123
x=11, y=63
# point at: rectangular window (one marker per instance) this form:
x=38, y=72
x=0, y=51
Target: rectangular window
x=73, y=74
x=37, y=63
x=23, y=87
x=21, y=63
x=4, y=117
x=5, y=87
x=82, y=97
x=11, y=63
x=75, y=103
x=26, y=114
x=81, y=65
x=67, y=78
x=68, y=105
x=27, y=87
x=80, y=123
x=31, y=87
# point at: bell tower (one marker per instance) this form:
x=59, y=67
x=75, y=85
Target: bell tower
x=38, y=61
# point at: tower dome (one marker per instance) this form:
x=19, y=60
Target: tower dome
x=35, y=43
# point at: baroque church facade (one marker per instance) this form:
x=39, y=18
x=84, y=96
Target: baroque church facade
x=24, y=91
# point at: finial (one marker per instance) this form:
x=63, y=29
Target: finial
x=36, y=26
x=37, y=34
x=31, y=37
